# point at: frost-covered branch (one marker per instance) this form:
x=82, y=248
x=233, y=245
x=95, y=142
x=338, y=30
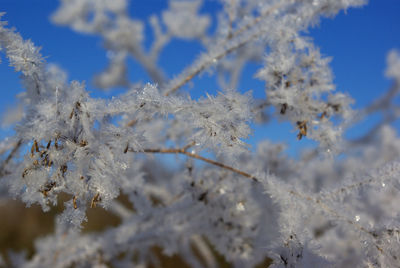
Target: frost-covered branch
x=252, y=205
x=196, y=156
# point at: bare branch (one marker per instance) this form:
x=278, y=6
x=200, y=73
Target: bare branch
x=196, y=156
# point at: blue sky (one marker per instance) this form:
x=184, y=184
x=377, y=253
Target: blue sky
x=357, y=40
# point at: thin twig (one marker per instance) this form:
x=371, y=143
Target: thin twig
x=349, y=187
x=189, y=145
x=196, y=156
x=131, y=123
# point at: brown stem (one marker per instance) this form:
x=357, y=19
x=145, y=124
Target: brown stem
x=196, y=156
x=189, y=145
x=131, y=123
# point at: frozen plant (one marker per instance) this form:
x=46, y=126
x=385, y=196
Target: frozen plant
x=219, y=197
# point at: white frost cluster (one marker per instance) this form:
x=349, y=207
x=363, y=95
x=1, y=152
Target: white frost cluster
x=208, y=193
x=393, y=70
x=88, y=15
x=183, y=21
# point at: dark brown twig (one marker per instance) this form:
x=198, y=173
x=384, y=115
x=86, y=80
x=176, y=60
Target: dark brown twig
x=196, y=156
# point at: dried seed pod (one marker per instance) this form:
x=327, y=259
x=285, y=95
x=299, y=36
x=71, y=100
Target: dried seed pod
x=302, y=125
x=284, y=108
x=95, y=200
x=74, y=202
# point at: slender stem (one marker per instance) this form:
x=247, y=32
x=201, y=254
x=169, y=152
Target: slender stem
x=131, y=123
x=196, y=156
x=189, y=145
